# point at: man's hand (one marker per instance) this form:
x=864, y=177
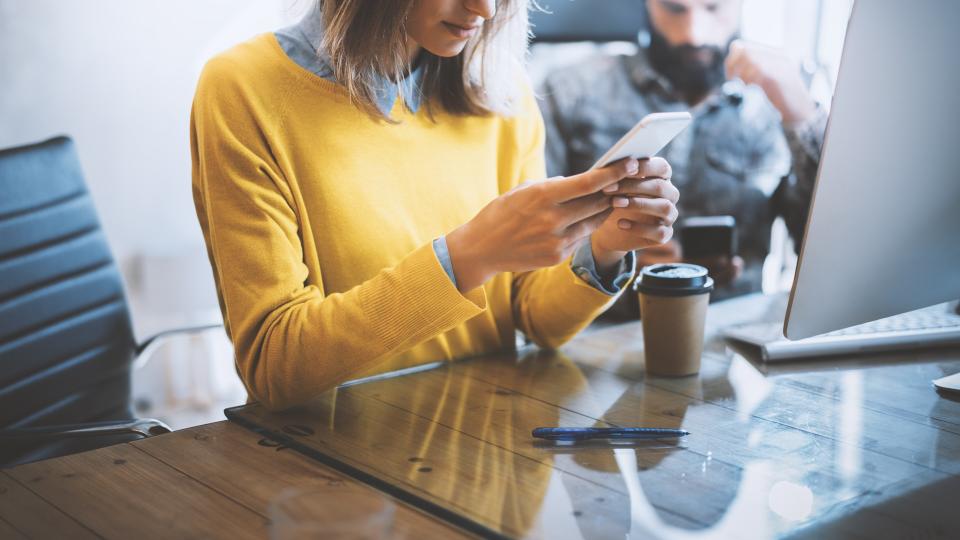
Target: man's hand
x=662, y=254
x=724, y=270
x=776, y=74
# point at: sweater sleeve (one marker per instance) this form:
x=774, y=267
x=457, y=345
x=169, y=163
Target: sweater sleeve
x=550, y=305
x=292, y=340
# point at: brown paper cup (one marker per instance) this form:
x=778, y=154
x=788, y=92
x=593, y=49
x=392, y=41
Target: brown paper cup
x=673, y=333
x=673, y=301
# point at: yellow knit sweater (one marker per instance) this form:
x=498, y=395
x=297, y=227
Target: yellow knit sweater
x=319, y=221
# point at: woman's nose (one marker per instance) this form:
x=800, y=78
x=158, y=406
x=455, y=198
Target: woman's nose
x=484, y=8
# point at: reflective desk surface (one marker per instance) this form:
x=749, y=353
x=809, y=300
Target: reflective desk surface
x=858, y=447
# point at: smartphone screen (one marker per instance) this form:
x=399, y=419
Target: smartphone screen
x=647, y=137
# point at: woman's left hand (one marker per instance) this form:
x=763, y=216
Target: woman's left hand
x=645, y=208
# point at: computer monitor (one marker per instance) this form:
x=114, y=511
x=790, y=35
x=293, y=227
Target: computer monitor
x=883, y=234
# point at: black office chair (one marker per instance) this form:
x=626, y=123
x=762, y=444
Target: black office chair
x=587, y=20
x=66, y=342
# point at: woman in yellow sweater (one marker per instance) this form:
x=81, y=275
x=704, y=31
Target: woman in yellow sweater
x=370, y=186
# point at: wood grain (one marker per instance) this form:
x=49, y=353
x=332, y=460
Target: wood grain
x=252, y=471
x=7, y=531
x=121, y=492
x=32, y=517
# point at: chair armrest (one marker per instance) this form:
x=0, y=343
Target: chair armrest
x=144, y=427
x=152, y=343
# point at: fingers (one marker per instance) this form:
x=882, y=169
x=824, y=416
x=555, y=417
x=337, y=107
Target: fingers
x=584, y=207
x=665, y=211
x=742, y=64
x=716, y=263
x=655, y=167
x=608, y=179
x=657, y=188
x=738, y=263
x=644, y=223
x=576, y=232
x=571, y=187
x=750, y=74
x=735, y=60
x=645, y=234
x=721, y=268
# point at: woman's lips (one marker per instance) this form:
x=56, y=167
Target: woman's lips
x=460, y=32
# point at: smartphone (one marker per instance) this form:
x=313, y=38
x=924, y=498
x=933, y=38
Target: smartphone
x=649, y=136
x=708, y=237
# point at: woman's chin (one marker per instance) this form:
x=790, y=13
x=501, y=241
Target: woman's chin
x=447, y=50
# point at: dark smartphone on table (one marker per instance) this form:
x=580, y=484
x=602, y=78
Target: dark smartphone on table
x=704, y=237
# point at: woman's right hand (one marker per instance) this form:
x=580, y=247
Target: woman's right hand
x=535, y=225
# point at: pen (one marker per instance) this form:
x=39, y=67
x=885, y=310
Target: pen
x=584, y=433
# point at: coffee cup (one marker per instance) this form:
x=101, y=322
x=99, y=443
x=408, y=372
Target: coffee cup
x=673, y=304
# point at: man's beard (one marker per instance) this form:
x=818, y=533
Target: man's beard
x=693, y=71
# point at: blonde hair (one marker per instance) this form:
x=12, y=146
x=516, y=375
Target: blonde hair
x=365, y=41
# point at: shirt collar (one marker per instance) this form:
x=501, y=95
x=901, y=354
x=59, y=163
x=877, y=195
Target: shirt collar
x=310, y=31
x=645, y=77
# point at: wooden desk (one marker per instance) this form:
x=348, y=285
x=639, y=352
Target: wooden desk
x=845, y=448
x=212, y=481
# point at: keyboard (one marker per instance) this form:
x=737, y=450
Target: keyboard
x=935, y=326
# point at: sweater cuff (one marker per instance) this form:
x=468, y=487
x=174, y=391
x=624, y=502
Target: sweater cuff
x=580, y=298
x=427, y=302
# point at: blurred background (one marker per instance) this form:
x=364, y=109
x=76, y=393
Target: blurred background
x=119, y=77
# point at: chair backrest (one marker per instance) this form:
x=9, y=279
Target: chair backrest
x=66, y=343
x=588, y=20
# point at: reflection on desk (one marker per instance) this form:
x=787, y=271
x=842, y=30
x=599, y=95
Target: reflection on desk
x=858, y=447
x=768, y=455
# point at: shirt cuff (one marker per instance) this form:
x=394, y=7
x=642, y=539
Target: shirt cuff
x=585, y=268
x=443, y=255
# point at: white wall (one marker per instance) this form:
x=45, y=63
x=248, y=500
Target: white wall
x=118, y=76
x=792, y=25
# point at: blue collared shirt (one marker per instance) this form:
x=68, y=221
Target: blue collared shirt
x=300, y=43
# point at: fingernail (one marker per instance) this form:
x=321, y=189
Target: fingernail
x=624, y=224
x=633, y=166
x=621, y=202
x=611, y=188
